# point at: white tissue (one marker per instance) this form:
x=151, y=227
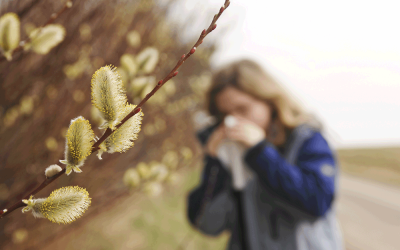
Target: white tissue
x=230, y=121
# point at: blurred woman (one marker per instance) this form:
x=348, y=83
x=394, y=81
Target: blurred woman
x=269, y=175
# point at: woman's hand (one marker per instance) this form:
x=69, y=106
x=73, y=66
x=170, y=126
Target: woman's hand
x=215, y=139
x=246, y=132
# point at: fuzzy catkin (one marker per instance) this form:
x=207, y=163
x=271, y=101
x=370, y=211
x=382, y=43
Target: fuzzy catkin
x=64, y=205
x=123, y=138
x=109, y=95
x=45, y=38
x=9, y=34
x=52, y=170
x=79, y=142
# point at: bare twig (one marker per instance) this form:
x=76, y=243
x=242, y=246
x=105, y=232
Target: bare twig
x=138, y=108
x=52, y=18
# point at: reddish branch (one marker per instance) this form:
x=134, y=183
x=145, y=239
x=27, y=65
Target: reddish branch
x=138, y=108
x=52, y=18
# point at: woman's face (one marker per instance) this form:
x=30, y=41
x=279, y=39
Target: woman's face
x=232, y=101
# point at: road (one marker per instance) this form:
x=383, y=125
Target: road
x=369, y=214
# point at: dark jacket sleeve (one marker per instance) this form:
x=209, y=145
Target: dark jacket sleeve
x=310, y=184
x=211, y=213
x=197, y=196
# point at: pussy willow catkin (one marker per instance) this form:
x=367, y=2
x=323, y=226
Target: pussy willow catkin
x=123, y=138
x=64, y=205
x=108, y=95
x=79, y=141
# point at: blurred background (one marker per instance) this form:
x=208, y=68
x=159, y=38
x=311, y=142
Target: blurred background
x=341, y=60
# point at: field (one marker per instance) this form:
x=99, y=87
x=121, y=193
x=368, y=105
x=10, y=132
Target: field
x=379, y=164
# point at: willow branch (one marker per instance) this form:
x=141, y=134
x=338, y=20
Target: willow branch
x=170, y=75
x=52, y=18
x=138, y=108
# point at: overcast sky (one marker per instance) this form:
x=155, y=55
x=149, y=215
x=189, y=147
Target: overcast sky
x=341, y=59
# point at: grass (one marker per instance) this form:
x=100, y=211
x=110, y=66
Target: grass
x=379, y=164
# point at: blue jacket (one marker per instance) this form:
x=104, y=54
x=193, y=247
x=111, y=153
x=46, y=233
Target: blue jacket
x=297, y=186
x=308, y=184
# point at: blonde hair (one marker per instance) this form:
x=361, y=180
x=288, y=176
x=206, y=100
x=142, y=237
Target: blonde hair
x=250, y=78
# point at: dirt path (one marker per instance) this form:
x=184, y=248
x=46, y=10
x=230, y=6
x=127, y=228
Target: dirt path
x=369, y=214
